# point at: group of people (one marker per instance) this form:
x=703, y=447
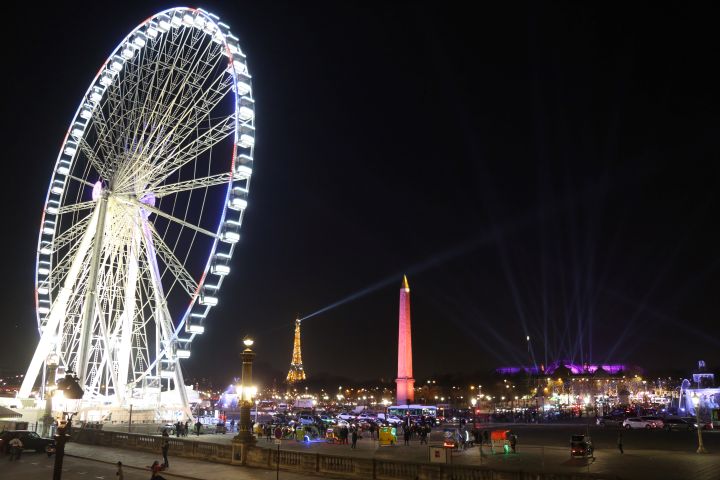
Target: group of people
x=416, y=430
x=182, y=429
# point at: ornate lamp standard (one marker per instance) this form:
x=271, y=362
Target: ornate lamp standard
x=52, y=364
x=696, y=403
x=245, y=394
x=72, y=391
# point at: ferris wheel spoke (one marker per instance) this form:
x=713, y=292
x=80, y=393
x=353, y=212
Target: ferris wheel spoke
x=183, y=155
x=72, y=233
x=160, y=213
x=204, y=182
x=173, y=264
x=92, y=157
x=76, y=207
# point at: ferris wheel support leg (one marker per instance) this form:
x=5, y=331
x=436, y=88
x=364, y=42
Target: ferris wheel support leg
x=57, y=312
x=88, y=320
x=180, y=385
x=126, y=324
x=164, y=320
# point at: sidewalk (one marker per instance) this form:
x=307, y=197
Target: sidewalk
x=179, y=467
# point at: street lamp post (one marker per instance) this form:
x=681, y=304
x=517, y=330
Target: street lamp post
x=246, y=393
x=696, y=403
x=72, y=391
x=52, y=364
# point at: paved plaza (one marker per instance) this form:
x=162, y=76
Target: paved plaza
x=648, y=454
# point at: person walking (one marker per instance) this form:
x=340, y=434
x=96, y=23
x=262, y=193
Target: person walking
x=423, y=436
x=16, y=448
x=198, y=426
x=186, y=429
x=406, y=434
x=354, y=438
x=620, y=442
x=513, y=442
x=119, y=474
x=165, y=447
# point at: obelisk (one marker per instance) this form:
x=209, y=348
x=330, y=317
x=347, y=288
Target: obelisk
x=405, y=381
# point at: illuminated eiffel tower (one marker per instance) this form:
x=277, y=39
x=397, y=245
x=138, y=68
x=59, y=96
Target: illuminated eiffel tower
x=296, y=372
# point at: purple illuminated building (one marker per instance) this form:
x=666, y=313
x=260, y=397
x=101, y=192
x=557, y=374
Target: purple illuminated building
x=575, y=368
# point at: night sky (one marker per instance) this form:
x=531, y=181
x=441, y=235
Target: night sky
x=549, y=171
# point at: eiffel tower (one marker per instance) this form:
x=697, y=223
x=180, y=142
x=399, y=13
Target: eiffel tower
x=296, y=373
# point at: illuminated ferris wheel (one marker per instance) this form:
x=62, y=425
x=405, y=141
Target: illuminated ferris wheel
x=144, y=208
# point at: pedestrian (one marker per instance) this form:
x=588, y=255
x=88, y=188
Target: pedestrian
x=198, y=426
x=513, y=442
x=406, y=433
x=372, y=431
x=165, y=447
x=16, y=448
x=485, y=437
x=423, y=436
x=119, y=474
x=178, y=429
x=156, y=468
x=619, y=442
x=186, y=429
x=354, y=438
x=232, y=424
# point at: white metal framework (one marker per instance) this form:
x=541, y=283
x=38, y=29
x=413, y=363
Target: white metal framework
x=144, y=208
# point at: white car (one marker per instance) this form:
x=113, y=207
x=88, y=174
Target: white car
x=393, y=420
x=342, y=423
x=659, y=423
x=306, y=420
x=346, y=416
x=637, y=422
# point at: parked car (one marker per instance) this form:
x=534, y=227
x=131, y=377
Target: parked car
x=581, y=446
x=693, y=421
x=610, y=421
x=393, y=420
x=30, y=441
x=637, y=422
x=306, y=420
x=346, y=416
x=676, y=423
x=651, y=418
x=327, y=419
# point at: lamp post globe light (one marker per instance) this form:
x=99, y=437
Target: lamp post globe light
x=696, y=404
x=246, y=393
x=71, y=391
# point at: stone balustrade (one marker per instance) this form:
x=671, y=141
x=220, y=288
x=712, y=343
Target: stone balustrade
x=313, y=463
